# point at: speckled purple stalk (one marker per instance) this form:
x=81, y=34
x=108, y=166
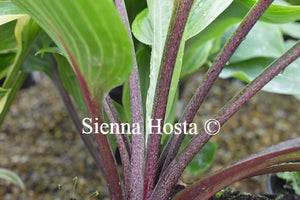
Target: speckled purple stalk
x=117, y=119
x=177, y=166
x=211, y=76
x=255, y=164
x=111, y=115
x=138, y=140
x=286, y=167
x=178, y=21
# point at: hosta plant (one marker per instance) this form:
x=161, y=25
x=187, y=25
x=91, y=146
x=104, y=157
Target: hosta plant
x=89, y=47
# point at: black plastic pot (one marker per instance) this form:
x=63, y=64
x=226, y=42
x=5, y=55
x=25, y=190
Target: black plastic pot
x=275, y=185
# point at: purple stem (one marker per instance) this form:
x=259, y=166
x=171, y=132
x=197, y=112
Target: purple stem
x=237, y=37
x=176, y=167
x=286, y=167
x=109, y=109
x=138, y=140
x=74, y=116
x=178, y=21
x=109, y=162
x=115, y=115
x=256, y=163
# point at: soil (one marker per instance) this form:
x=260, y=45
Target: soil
x=246, y=196
x=38, y=141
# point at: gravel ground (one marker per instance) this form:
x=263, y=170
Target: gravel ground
x=38, y=142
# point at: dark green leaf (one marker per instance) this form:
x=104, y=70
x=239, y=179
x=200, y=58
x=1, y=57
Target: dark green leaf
x=134, y=7
x=203, y=160
x=34, y=63
x=7, y=37
x=6, y=61
x=70, y=81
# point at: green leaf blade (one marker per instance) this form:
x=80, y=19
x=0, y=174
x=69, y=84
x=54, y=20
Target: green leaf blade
x=275, y=13
x=203, y=159
x=9, y=12
x=207, y=11
x=260, y=42
x=82, y=31
x=11, y=177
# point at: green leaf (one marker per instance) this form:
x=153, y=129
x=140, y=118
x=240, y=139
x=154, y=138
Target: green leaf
x=159, y=15
x=53, y=50
x=151, y=27
x=237, y=11
x=70, y=81
x=172, y=112
x=6, y=61
x=285, y=83
x=195, y=56
x=203, y=160
x=292, y=179
x=144, y=24
x=291, y=29
x=33, y=63
x=260, y=42
x=98, y=48
x=8, y=41
x=294, y=2
x=42, y=63
x=26, y=32
x=9, y=12
x=232, y=15
x=8, y=47
x=275, y=13
x=66, y=72
x=11, y=177
x=133, y=7
x=207, y=11
x=3, y=98
x=142, y=28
